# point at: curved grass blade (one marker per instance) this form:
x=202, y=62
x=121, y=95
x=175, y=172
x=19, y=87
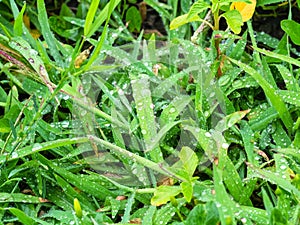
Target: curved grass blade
x=285, y=58
x=271, y=93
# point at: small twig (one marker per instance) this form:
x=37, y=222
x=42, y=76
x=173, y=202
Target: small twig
x=204, y=24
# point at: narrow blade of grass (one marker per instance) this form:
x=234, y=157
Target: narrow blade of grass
x=90, y=16
x=47, y=33
x=104, y=14
x=37, y=147
x=22, y=217
x=285, y=58
x=143, y=100
x=271, y=93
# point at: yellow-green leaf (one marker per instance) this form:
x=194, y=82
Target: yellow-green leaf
x=181, y=20
x=234, y=20
x=163, y=194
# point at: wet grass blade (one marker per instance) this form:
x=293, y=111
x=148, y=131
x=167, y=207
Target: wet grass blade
x=37, y=147
x=144, y=105
x=274, y=179
x=47, y=33
x=270, y=92
x=285, y=58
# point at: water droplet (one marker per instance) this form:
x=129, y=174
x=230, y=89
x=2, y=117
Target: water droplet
x=36, y=147
x=225, y=145
x=207, y=134
x=243, y=220
x=172, y=110
x=14, y=155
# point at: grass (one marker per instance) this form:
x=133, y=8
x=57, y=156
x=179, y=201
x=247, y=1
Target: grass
x=99, y=126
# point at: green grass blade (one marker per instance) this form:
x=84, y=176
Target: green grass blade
x=271, y=93
x=18, y=197
x=90, y=16
x=143, y=100
x=264, y=119
x=22, y=217
x=128, y=208
x=291, y=97
x=141, y=160
x=18, y=25
x=285, y=58
x=47, y=33
x=37, y=147
x=172, y=111
x=104, y=14
x=274, y=179
x=225, y=203
x=247, y=135
x=288, y=78
x=80, y=182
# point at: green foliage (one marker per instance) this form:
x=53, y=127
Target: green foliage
x=150, y=132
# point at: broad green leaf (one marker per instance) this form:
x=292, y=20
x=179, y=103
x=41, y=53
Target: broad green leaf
x=134, y=19
x=292, y=28
x=187, y=190
x=163, y=194
x=189, y=160
x=197, y=8
x=234, y=20
x=197, y=215
x=181, y=20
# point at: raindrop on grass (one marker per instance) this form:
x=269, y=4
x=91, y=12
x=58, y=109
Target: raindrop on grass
x=14, y=155
x=172, y=110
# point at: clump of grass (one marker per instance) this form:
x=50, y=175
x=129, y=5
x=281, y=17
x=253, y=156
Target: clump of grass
x=144, y=133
